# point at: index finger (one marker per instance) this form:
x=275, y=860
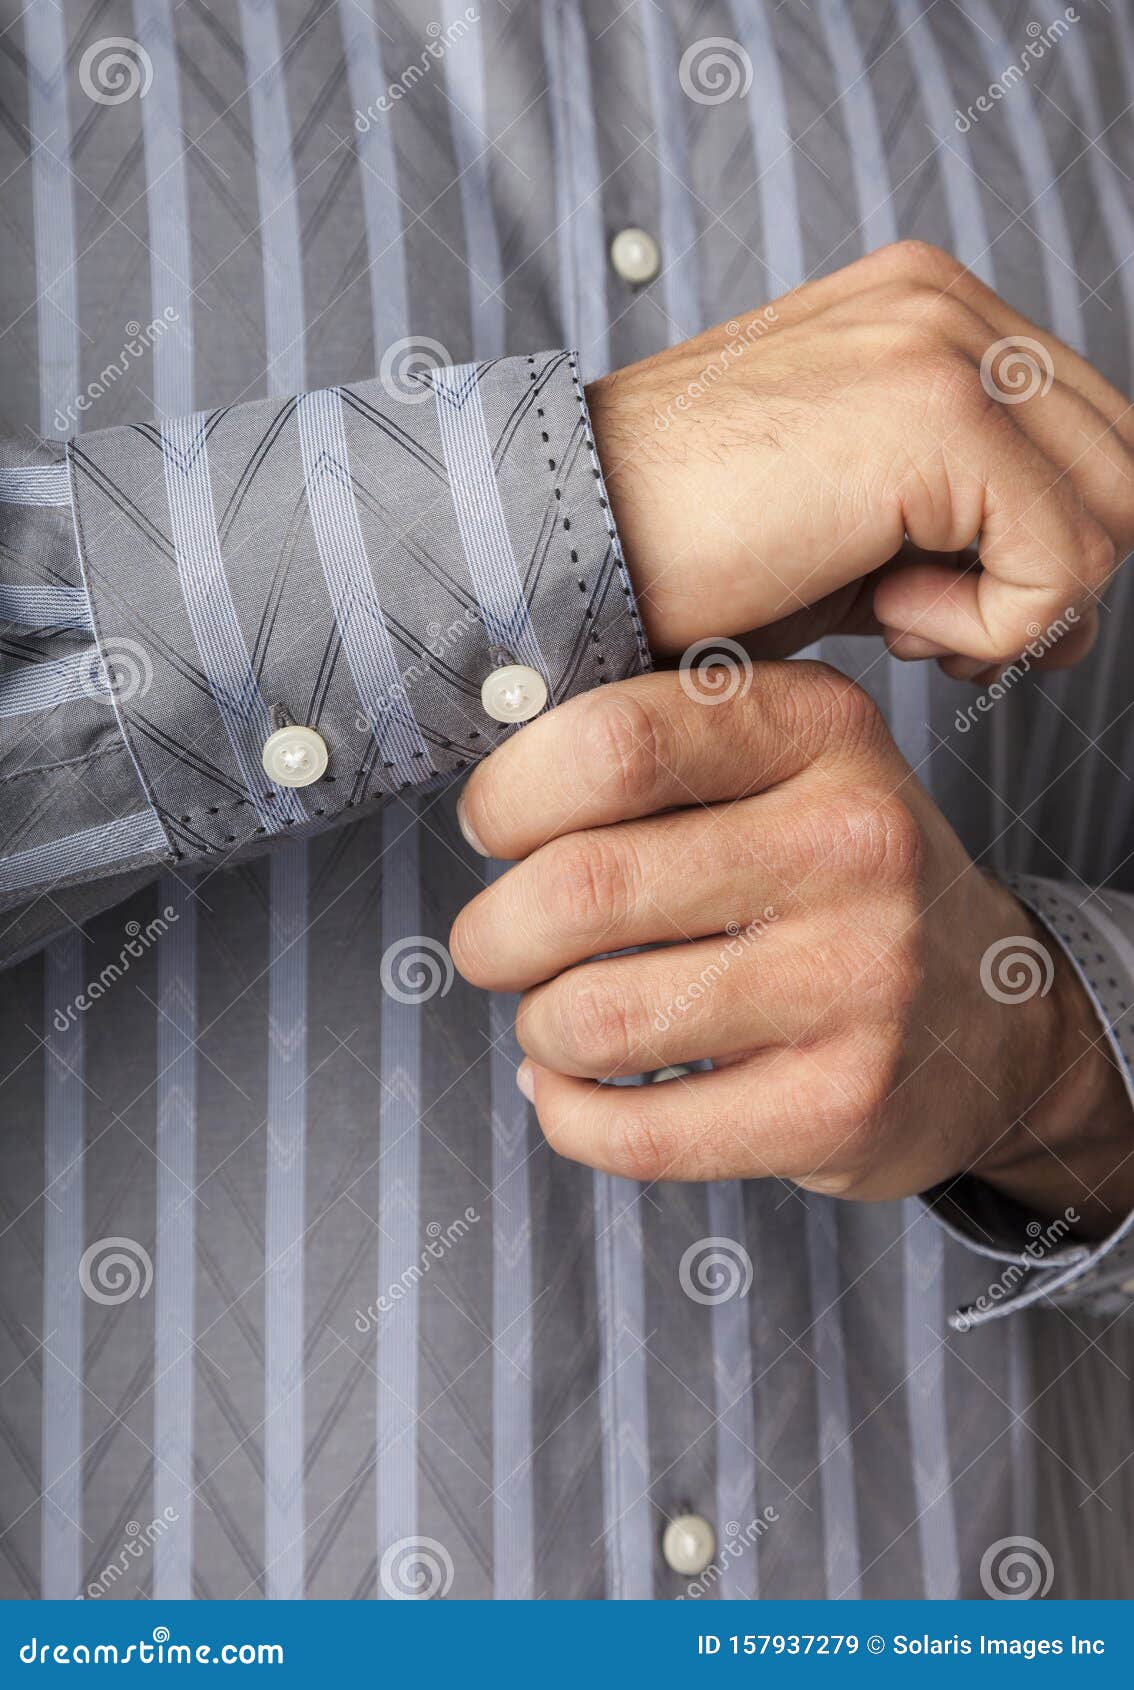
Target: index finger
x=652, y=743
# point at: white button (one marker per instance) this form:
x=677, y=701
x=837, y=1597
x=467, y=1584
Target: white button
x=1127, y=1287
x=295, y=756
x=688, y=1544
x=635, y=255
x=514, y=693
x=676, y=1073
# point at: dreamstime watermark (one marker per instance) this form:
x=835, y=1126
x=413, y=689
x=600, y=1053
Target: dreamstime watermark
x=703, y=983
x=115, y=1270
x=441, y=1241
x=138, y=340
x=114, y=70
x=1040, y=642
x=1016, y=1569
x=1017, y=969
x=438, y=644
x=714, y=671
x=415, y=969
x=138, y=1539
x=738, y=1538
x=715, y=1270
x=1043, y=1238
x=740, y=337
x=139, y=940
x=440, y=40
x=1042, y=37
x=416, y=1569
x=1016, y=369
x=403, y=364
x=715, y=69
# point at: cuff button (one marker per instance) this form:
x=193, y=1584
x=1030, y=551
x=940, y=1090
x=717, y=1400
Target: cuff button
x=514, y=693
x=295, y=756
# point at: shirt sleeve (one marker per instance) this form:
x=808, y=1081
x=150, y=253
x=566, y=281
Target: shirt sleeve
x=357, y=561
x=1040, y=1259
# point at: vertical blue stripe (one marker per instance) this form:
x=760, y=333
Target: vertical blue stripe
x=53, y=213
x=735, y=1407
x=285, y=1209
x=374, y=148
x=167, y=208
x=782, y=242
x=619, y=1265
x=284, y=322
x=628, y=1524
x=469, y=120
x=578, y=186
x=735, y=1430
x=399, y=1204
x=923, y=1258
x=842, y=1559
x=962, y=195
x=175, y=1254
x=485, y=539
x=285, y=1223
x=680, y=257
x=61, y=1540
x=513, y=1525
x=212, y=615
x=350, y=583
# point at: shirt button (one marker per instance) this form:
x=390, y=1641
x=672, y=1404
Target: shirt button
x=678, y=1072
x=635, y=256
x=514, y=693
x=295, y=756
x=688, y=1544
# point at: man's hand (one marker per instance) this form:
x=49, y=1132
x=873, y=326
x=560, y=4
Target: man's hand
x=825, y=940
x=893, y=409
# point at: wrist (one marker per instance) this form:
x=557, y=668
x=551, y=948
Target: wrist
x=1071, y=1146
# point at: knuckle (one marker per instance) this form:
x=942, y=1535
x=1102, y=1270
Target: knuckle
x=635, y=1147
x=594, y=1022
x=618, y=746
x=840, y=708
x=915, y=261
x=583, y=886
x=883, y=838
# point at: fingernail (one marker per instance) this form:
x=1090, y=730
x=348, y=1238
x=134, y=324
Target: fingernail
x=466, y=828
x=526, y=1081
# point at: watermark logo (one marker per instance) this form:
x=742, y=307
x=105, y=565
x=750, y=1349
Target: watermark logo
x=1040, y=641
x=715, y=69
x=1042, y=1240
x=139, y=1538
x=138, y=941
x=1016, y=969
x=715, y=1270
x=714, y=671
x=1016, y=1569
x=416, y=1569
x=115, y=1270
x=741, y=335
x=415, y=969
x=441, y=1241
x=139, y=338
x=701, y=984
x=434, y=50
x=1041, y=38
x=405, y=362
x=737, y=1539
x=1016, y=369
x=114, y=70
x=123, y=670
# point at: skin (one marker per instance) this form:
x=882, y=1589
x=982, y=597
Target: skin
x=837, y=459
x=822, y=931
x=838, y=463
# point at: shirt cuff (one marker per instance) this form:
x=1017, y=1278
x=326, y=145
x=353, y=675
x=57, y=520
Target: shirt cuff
x=356, y=560
x=1042, y=1262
